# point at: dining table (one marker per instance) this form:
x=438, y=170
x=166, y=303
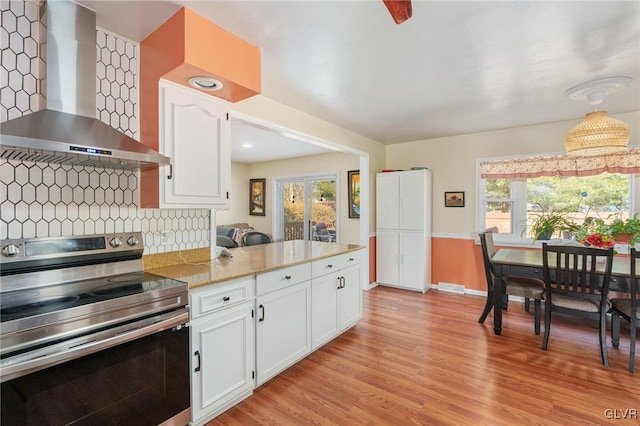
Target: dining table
x=528, y=263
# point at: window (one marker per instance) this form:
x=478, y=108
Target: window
x=511, y=206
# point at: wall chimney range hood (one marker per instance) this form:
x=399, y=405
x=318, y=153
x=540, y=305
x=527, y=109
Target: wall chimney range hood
x=67, y=132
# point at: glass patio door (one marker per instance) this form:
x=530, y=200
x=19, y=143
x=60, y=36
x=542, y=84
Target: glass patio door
x=308, y=208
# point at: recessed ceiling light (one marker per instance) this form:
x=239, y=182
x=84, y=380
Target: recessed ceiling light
x=246, y=145
x=205, y=83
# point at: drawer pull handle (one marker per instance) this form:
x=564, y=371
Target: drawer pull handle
x=226, y=298
x=329, y=266
x=351, y=259
x=287, y=277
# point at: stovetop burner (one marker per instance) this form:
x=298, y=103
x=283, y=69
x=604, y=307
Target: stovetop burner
x=29, y=302
x=35, y=308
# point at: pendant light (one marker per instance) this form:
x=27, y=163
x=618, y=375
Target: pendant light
x=598, y=133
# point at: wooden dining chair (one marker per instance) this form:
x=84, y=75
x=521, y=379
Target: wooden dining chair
x=577, y=284
x=529, y=288
x=627, y=308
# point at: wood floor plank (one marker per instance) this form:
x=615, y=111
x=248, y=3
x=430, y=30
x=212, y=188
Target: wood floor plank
x=423, y=359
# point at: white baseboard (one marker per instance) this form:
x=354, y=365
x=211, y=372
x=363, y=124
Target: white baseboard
x=371, y=286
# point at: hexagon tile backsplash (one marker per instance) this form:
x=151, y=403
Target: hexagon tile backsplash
x=42, y=199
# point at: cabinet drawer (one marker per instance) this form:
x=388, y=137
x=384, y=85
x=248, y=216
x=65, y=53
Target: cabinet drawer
x=329, y=264
x=519, y=270
x=205, y=300
x=281, y=278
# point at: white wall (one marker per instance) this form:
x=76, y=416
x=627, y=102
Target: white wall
x=239, y=197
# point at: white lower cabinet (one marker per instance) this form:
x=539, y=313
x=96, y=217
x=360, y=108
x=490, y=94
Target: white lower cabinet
x=223, y=348
x=283, y=329
x=336, y=302
x=401, y=259
x=246, y=331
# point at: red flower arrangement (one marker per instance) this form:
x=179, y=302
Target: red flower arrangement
x=599, y=240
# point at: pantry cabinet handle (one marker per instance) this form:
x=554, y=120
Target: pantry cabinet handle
x=197, y=354
x=261, y=307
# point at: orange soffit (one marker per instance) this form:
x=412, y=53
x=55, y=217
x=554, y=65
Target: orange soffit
x=207, y=50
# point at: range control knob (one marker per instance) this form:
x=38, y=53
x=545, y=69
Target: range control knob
x=10, y=250
x=132, y=241
x=115, y=242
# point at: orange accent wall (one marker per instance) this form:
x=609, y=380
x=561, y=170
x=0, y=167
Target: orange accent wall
x=457, y=261
x=188, y=45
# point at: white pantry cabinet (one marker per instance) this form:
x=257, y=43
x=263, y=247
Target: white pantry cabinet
x=283, y=319
x=194, y=133
x=223, y=347
x=403, y=229
x=336, y=302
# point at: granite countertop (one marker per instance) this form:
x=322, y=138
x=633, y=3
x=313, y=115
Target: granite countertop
x=252, y=260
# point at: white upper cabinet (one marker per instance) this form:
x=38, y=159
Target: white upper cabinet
x=194, y=133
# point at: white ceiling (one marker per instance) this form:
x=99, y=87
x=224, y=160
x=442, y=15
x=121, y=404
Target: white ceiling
x=453, y=68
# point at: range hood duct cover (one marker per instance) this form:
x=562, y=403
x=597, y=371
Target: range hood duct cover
x=67, y=132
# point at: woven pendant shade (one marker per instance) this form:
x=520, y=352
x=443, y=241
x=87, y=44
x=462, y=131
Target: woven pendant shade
x=598, y=134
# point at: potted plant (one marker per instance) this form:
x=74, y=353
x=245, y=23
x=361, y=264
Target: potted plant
x=545, y=224
x=626, y=230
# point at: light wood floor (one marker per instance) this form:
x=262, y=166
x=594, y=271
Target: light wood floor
x=424, y=359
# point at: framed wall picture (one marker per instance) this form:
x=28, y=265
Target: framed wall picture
x=257, y=197
x=354, y=193
x=454, y=199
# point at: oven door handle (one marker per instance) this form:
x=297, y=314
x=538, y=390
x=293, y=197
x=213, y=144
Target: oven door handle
x=40, y=359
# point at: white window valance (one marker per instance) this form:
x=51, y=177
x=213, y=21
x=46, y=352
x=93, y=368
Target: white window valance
x=627, y=162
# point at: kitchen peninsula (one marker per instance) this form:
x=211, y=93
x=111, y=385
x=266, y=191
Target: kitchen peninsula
x=260, y=311
x=246, y=261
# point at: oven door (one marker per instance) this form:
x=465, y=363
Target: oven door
x=144, y=381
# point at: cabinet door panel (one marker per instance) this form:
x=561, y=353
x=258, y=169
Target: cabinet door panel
x=387, y=201
x=284, y=334
x=202, y=128
x=324, y=309
x=412, y=260
x=225, y=344
x=195, y=134
x=349, y=298
x=412, y=201
x=387, y=257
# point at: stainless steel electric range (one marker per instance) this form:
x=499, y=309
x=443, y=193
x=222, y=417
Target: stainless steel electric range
x=87, y=337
